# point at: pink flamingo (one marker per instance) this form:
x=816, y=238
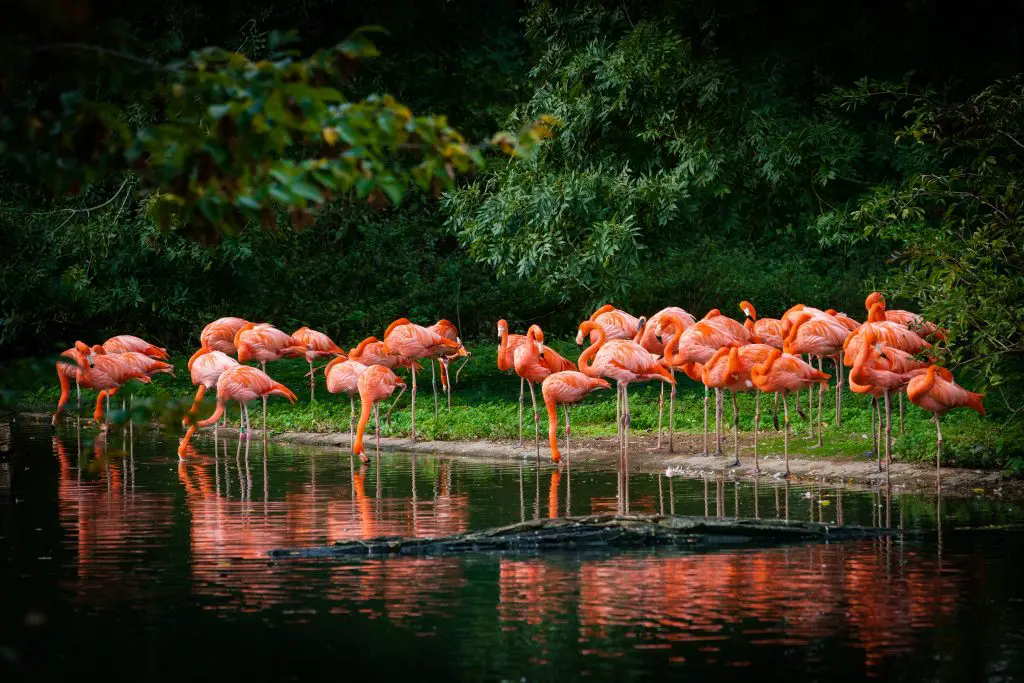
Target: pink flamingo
x=342, y=376
x=650, y=337
x=564, y=388
x=782, y=373
x=534, y=362
x=376, y=384
x=626, y=362
x=414, y=342
x=730, y=369
x=447, y=330
x=770, y=331
x=263, y=343
x=241, y=383
x=821, y=336
x=205, y=368
x=615, y=323
x=220, y=335
x=318, y=345
x=125, y=342
x=936, y=392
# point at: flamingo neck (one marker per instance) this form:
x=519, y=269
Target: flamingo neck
x=586, y=358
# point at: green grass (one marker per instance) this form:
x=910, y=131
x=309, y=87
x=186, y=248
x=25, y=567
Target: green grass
x=485, y=405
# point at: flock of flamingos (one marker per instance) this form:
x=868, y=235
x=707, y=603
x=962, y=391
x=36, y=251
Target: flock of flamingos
x=762, y=355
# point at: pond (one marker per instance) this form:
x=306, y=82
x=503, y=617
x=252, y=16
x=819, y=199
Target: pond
x=117, y=558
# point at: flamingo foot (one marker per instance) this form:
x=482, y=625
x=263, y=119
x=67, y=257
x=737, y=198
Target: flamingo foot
x=736, y=463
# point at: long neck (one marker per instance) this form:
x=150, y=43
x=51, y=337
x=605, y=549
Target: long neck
x=922, y=388
x=552, y=408
x=860, y=364
x=671, y=353
x=362, y=345
x=196, y=355
x=588, y=355
x=503, y=348
x=244, y=328
x=364, y=418
x=216, y=414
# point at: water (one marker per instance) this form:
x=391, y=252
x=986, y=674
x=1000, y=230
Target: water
x=116, y=559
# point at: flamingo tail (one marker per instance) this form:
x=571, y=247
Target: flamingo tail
x=281, y=390
x=974, y=402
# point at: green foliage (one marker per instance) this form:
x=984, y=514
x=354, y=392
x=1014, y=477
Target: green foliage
x=955, y=217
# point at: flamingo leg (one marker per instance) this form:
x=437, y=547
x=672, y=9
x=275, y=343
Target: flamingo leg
x=810, y=403
x=785, y=419
x=447, y=381
x=757, y=425
x=775, y=413
x=521, y=389
x=839, y=389
x=387, y=417
x=899, y=397
x=938, y=446
x=263, y=363
x=661, y=411
x=671, y=412
x=78, y=395
x=376, y=424
x=312, y=382
x=351, y=423
x=625, y=442
x=874, y=431
x=888, y=430
x=719, y=396
x=735, y=429
x=536, y=419
x=821, y=398
x=705, y=420
x=433, y=384
x=412, y=410
x=565, y=410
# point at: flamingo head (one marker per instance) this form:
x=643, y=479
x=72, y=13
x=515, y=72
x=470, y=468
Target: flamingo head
x=586, y=327
x=748, y=310
x=85, y=354
x=874, y=298
x=502, y=328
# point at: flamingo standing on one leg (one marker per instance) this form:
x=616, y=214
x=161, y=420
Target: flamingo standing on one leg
x=936, y=392
x=241, y=383
x=730, y=369
x=343, y=378
x=650, y=337
x=376, y=384
x=447, y=330
x=205, y=368
x=318, y=345
x=264, y=342
x=534, y=362
x=564, y=388
x=822, y=336
x=626, y=362
x=414, y=342
x=689, y=346
x=782, y=373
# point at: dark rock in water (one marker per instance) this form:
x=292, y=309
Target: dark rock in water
x=610, y=531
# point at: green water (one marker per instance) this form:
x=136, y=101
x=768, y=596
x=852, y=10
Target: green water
x=117, y=560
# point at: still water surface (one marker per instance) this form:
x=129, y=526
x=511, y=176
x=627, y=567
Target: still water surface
x=117, y=559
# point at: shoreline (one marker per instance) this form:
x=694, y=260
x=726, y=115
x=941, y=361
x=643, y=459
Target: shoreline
x=686, y=461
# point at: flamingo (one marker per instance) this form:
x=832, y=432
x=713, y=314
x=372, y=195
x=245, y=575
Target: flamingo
x=205, y=368
x=689, y=346
x=887, y=332
x=264, y=342
x=447, y=330
x=781, y=373
x=716, y=319
x=913, y=321
x=78, y=355
x=370, y=351
x=770, y=331
x=376, y=384
x=730, y=369
x=615, y=323
x=564, y=388
x=534, y=362
x=105, y=373
x=871, y=368
x=220, y=335
x=125, y=342
x=626, y=362
x=342, y=375
x=318, y=345
x=241, y=383
x=822, y=336
x=507, y=344
x=412, y=342
x=936, y=392
x=650, y=337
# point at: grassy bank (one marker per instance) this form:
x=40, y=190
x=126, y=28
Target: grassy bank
x=484, y=406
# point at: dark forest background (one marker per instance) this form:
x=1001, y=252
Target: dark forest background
x=708, y=152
